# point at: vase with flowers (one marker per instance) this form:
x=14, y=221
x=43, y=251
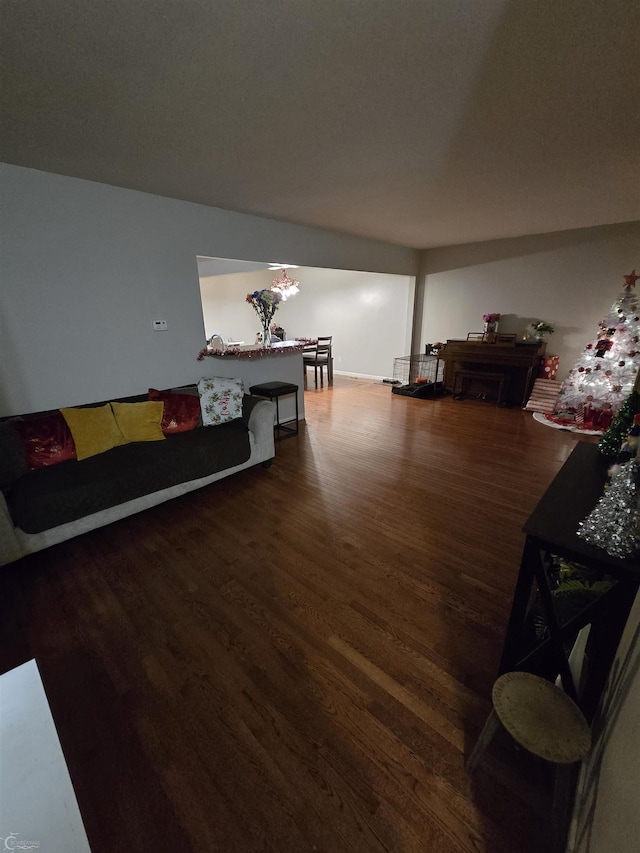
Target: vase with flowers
x=490, y=329
x=265, y=304
x=540, y=329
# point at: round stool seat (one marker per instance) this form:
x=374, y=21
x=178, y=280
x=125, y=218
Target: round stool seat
x=541, y=717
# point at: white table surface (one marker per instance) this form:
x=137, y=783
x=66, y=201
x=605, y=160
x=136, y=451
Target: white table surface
x=38, y=808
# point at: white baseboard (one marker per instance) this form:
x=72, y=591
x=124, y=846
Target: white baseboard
x=358, y=375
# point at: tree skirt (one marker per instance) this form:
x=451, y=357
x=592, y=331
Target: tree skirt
x=547, y=420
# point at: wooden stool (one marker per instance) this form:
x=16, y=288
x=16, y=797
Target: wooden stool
x=545, y=721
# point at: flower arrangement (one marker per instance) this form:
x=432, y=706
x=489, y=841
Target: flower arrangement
x=265, y=304
x=491, y=318
x=541, y=328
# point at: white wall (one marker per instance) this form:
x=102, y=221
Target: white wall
x=224, y=308
x=86, y=268
x=569, y=279
x=368, y=314
x=607, y=810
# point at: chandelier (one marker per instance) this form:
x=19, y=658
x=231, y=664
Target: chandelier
x=285, y=286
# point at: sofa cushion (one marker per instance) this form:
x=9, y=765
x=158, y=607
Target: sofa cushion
x=94, y=430
x=63, y=493
x=139, y=421
x=181, y=410
x=46, y=439
x=13, y=461
x=220, y=399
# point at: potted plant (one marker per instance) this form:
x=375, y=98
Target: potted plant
x=540, y=329
x=490, y=328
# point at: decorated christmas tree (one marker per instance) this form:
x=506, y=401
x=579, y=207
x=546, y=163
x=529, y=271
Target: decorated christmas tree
x=612, y=440
x=604, y=375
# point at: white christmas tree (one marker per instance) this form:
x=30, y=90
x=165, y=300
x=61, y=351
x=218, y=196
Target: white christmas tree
x=604, y=375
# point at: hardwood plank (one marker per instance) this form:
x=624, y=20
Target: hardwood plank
x=297, y=659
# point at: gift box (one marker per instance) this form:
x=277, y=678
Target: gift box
x=549, y=366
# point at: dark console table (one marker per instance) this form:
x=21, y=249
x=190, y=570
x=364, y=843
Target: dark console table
x=552, y=529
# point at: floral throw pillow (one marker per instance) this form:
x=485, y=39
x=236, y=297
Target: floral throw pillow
x=220, y=399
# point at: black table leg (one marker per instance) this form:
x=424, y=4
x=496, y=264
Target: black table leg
x=512, y=649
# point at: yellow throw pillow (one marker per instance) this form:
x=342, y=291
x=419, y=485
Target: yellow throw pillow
x=94, y=430
x=139, y=421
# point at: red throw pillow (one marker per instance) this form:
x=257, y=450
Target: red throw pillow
x=46, y=439
x=181, y=411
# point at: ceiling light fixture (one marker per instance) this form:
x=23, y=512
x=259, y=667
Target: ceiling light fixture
x=285, y=286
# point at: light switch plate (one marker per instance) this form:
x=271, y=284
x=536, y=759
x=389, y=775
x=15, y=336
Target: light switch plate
x=159, y=325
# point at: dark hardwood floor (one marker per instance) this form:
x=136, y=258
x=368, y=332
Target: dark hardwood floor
x=296, y=659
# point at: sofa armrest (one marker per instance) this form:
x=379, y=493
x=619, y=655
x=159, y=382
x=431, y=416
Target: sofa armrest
x=10, y=547
x=249, y=402
x=261, y=422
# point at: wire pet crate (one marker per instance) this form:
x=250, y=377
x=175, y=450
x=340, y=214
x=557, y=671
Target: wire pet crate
x=416, y=368
x=419, y=375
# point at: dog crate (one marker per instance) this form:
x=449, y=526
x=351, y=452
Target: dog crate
x=418, y=375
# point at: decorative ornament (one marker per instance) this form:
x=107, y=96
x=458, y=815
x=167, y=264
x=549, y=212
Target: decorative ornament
x=603, y=346
x=630, y=280
x=236, y=352
x=613, y=524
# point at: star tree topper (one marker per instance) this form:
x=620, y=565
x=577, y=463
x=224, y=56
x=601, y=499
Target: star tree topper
x=630, y=280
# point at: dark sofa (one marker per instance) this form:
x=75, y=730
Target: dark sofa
x=41, y=507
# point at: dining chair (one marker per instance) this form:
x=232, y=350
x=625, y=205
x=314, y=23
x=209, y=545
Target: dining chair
x=319, y=357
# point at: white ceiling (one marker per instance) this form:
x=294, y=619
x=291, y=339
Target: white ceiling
x=418, y=122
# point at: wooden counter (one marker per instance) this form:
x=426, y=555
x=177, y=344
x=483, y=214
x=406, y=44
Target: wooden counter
x=254, y=365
